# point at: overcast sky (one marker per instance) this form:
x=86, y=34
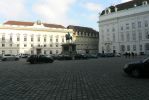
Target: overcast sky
x=64, y=12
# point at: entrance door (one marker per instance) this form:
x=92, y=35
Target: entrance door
x=38, y=51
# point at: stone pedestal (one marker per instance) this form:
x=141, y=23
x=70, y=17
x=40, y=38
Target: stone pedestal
x=69, y=49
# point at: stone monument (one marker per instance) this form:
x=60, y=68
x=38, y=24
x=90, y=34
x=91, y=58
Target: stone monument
x=69, y=48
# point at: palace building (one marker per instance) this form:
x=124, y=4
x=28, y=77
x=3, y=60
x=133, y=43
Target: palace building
x=17, y=37
x=86, y=39
x=125, y=28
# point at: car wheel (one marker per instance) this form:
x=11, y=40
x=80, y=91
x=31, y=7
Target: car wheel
x=16, y=59
x=51, y=61
x=135, y=73
x=4, y=59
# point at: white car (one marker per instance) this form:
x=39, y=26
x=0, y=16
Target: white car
x=9, y=57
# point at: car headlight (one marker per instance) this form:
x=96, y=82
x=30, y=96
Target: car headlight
x=126, y=66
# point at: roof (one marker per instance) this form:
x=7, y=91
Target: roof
x=126, y=5
x=21, y=23
x=82, y=29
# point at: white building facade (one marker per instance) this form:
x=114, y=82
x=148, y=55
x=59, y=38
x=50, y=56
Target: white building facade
x=32, y=38
x=125, y=28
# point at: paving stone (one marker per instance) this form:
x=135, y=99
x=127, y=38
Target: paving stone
x=94, y=79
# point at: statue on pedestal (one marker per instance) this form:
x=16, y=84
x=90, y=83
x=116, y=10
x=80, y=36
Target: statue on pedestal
x=68, y=37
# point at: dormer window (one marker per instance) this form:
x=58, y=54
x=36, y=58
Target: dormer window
x=144, y=3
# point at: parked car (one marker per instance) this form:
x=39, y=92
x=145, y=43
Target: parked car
x=25, y=55
x=6, y=57
x=92, y=55
x=106, y=55
x=64, y=57
x=33, y=59
x=80, y=56
x=137, y=69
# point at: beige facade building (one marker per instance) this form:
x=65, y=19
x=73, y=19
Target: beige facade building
x=18, y=37
x=86, y=39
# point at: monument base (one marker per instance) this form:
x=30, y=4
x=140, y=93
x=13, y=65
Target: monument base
x=69, y=49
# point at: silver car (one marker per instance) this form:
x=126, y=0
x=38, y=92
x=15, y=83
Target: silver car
x=9, y=57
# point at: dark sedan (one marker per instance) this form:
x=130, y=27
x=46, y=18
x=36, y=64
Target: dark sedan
x=137, y=69
x=33, y=59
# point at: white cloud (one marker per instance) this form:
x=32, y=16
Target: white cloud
x=125, y=1
x=13, y=9
x=53, y=11
x=93, y=7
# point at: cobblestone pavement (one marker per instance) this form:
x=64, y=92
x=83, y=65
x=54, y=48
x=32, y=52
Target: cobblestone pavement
x=95, y=79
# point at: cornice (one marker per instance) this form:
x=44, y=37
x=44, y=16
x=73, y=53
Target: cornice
x=36, y=29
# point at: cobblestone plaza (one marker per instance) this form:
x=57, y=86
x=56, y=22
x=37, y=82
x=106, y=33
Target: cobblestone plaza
x=93, y=79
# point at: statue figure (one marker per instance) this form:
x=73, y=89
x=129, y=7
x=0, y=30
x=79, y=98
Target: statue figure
x=68, y=37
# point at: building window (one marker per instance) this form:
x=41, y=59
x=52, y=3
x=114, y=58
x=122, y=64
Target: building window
x=45, y=39
x=88, y=34
x=51, y=40
x=3, y=45
x=44, y=45
x=32, y=39
x=10, y=51
x=107, y=30
x=122, y=48
x=128, y=36
x=62, y=39
x=134, y=35
x=56, y=45
x=121, y=27
x=134, y=47
x=128, y=47
x=133, y=26
x=147, y=34
x=56, y=40
x=50, y=45
x=127, y=26
x=31, y=45
x=122, y=36
x=3, y=38
x=50, y=51
x=32, y=52
x=25, y=45
x=3, y=51
x=139, y=24
x=113, y=29
x=114, y=37
x=10, y=45
x=141, y=47
x=38, y=45
x=56, y=51
x=45, y=52
x=91, y=34
x=25, y=38
x=11, y=38
x=147, y=46
x=140, y=35
x=146, y=23
x=38, y=39
x=18, y=45
x=18, y=38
